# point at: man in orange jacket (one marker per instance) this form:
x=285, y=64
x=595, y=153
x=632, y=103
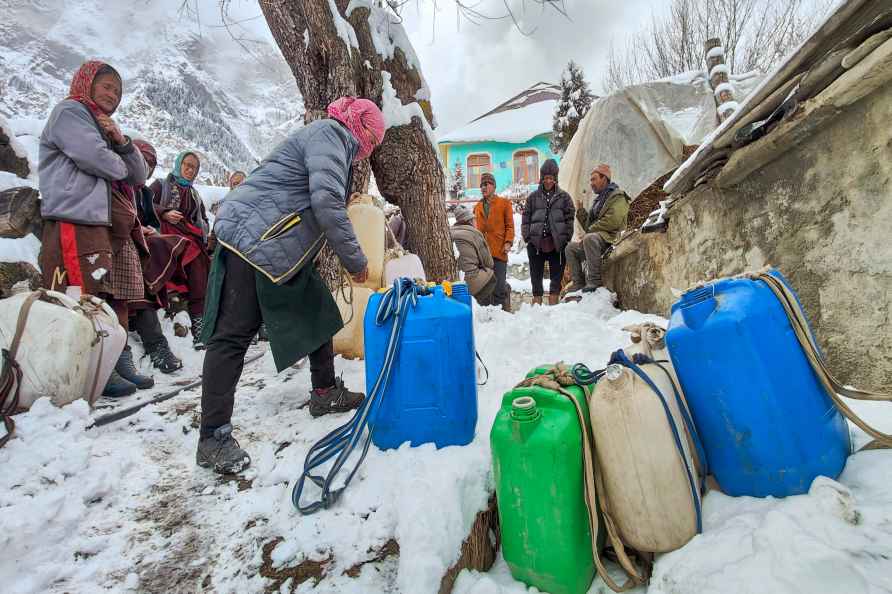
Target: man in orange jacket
x=494, y=218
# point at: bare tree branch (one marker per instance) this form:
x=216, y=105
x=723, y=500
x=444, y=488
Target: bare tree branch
x=756, y=34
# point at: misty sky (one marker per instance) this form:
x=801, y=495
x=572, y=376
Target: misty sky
x=471, y=68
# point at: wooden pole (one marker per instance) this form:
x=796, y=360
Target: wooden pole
x=719, y=80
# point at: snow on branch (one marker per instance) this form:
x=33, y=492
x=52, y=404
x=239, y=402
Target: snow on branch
x=397, y=114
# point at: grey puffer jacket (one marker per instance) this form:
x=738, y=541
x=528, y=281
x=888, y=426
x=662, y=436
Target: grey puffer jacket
x=293, y=203
x=557, y=208
x=474, y=258
x=76, y=167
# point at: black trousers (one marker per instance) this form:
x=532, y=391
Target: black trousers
x=502, y=292
x=556, y=263
x=238, y=320
x=145, y=323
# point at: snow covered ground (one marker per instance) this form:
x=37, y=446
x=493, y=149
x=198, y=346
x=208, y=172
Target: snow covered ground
x=123, y=508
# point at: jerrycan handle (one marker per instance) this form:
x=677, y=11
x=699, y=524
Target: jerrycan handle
x=697, y=305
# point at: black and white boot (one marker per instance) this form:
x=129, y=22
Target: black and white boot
x=197, y=326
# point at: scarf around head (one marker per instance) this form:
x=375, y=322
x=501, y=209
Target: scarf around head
x=177, y=172
x=81, y=89
x=364, y=120
x=148, y=152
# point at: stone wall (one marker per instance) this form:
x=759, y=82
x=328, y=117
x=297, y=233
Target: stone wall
x=820, y=211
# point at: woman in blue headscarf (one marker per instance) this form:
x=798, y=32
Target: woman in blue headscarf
x=181, y=212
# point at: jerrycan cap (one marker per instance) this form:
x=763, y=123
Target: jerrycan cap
x=613, y=372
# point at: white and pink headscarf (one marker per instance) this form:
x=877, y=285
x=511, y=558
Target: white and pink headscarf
x=364, y=120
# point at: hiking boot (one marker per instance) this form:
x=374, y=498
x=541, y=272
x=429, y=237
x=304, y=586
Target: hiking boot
x=127, y=370
x=117, y=387
x=197, y=325
x=163, y=359
x=222, y=452
x=335, y=399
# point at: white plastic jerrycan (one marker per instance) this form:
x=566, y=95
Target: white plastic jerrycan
x=349, y=342
x=368, y=224
x=404, y=265
x=68, y=347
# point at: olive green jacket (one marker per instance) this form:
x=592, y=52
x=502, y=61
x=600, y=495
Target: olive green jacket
x=610, y=221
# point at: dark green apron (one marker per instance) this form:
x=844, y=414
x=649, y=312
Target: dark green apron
x=300, y=315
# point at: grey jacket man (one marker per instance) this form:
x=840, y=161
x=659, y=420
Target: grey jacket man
x=474, y=258
x=293, y=203
x=76, y=166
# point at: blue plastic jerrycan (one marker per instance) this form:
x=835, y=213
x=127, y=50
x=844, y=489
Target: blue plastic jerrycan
x=432, y=393
x=767, y=424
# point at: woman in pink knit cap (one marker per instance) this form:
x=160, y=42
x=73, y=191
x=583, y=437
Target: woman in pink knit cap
x=269, y=231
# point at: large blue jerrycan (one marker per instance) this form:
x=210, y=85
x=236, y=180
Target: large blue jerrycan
x=431, y=396
x=766, y=422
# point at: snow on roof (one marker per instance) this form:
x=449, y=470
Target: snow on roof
x=514, y=126
x=517, y=120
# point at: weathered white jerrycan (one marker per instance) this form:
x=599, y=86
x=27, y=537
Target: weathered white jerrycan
x=368, y=224
x=68, y=348
x=403, y=264
x=647, y=456
x=349, y=341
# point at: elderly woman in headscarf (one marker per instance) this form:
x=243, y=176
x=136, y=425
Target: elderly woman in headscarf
x=269, y=231
x=161, y=264
x=87, y=171
x=181, y=211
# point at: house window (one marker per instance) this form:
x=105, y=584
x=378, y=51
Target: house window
x=526, y=167
x=477, y=166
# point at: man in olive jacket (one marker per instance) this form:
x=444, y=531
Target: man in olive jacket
x=601, y=226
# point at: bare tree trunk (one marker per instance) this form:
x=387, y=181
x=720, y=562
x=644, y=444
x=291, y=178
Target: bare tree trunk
x=406, y=165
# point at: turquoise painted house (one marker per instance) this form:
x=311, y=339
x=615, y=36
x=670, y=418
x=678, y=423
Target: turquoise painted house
x=510, y=141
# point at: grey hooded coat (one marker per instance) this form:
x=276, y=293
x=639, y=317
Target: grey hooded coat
x=293, y=203
x=76, y=166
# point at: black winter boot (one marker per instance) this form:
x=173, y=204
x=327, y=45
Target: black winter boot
x=127, y=370
x=197, y=325
x=335, y=399
x=117, y=386
x=163, y=359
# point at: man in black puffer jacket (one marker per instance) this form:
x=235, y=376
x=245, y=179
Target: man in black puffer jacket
x=547, y=227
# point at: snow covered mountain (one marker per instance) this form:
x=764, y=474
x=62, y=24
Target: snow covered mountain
x=186, y=85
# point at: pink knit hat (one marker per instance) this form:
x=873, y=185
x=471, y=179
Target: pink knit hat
x=364, y=120
x=604, y=170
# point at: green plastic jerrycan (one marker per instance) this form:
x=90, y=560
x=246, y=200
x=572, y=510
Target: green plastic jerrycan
x=537, y=460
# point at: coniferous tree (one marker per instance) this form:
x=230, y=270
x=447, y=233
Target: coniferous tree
x=458, y=181
x=576, y=99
